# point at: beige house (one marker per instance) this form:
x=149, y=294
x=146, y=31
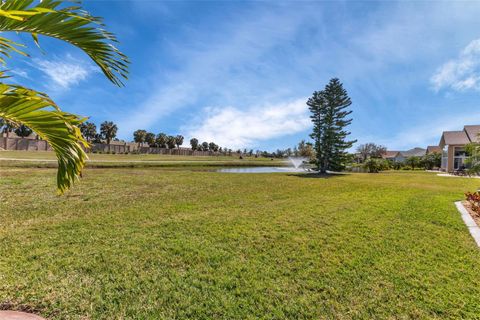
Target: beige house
x=453, y=145
x=401, y=156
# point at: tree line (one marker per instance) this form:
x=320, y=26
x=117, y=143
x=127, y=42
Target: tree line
x=107, y=133
x=160, y=140
x=370, y=156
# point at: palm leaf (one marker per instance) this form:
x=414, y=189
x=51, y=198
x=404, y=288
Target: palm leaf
x=23, y=106
x=37, y=111
x=71, y=24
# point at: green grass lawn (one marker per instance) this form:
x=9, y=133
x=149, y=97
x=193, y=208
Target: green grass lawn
x=164, y=243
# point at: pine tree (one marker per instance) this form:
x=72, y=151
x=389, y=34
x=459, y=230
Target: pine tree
x=329, y=114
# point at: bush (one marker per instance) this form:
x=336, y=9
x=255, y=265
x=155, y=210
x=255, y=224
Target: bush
x=473, y=199
x=373, y=165
x=397, y=166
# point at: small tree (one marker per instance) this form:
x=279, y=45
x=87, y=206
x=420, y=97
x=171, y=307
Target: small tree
x=473, y=159
x=329, y=117
x=171, y=142
x=375, y=165
x=371, y=150
x=150, y=139
x=108, y=130
x=194, y=144
x=23, y=131
x=431, y=160
x=179, y=140
x=413, y=162
x=139, y=136
x=305, y=149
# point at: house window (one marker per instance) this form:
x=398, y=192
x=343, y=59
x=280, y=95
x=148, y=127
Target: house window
x=459, y=156
x=444, y=159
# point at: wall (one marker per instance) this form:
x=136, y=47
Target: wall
x=24, y=144
x=41, y=145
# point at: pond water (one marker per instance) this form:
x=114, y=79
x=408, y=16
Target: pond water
x=261, y=170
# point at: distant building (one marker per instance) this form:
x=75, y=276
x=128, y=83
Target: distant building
x=452, y=144
x=401, y=156
x=433, y=149
x=390, y=155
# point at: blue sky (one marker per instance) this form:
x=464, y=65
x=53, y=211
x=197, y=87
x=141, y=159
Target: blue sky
x=239, y=73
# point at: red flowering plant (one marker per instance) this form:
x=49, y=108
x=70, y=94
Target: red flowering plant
x=473, y=199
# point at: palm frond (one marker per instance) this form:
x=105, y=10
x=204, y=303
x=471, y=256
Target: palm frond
x=7, y=46
x=37, y=111
x=71, y=24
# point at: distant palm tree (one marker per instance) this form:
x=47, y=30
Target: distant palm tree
x=194, y=144
x=19, y=105
x=23, y=131
x=89, y=130
x=108, y=130
x=205, y=146
x=150, y=139
x=179, y=141
x=139, y=136
x=171, y=142
x=161, y=140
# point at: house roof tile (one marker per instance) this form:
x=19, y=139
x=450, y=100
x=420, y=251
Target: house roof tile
x=454, y=137
x=434, y=149
x=390, y=154
x=473, y=132
x=415, y=152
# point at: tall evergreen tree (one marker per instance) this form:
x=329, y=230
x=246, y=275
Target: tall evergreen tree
x=329, y=117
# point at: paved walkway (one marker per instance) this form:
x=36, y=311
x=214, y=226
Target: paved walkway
x=454, y=176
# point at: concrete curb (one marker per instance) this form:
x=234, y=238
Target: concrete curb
x=469, y=222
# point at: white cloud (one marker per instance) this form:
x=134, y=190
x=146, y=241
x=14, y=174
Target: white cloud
x=462, y=73
x=235, y=128
x=20, y=72
x=64, y=72
x=231, y=65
